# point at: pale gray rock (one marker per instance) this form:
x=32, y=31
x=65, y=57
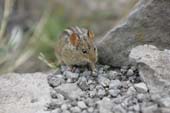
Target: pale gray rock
x=130, y=72
x=154, y=68
x=141, y=87
x=69, y=90
x=55, y=80
x=165, y=102
x=131, y=90
x=150, y=109
x=115, y=84
x=76, y=109
x=24, y=93
x=114, y=92
x=64, y=107
x=113, y=74
x=148, y=23
x=81, y=104
x=103, y=81
x=105, y=105
x=71, y=75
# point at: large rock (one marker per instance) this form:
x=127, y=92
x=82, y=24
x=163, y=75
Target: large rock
x=148, y=23
x=24, y=93
x=154, y=68
x=70, y=91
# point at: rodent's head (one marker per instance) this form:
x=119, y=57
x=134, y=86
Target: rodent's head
x=85, y=47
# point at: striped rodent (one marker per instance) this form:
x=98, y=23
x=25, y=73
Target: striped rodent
x=76, y=46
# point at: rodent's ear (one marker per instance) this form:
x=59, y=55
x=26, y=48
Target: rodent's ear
x=74, y=39
x=90, y=35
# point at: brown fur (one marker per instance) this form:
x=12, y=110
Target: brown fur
x=76, y=47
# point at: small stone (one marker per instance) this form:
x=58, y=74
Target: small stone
x=113, y=74
x=136, y=107
x=105, y=105
x=55, y=103
x=130, y=72
x=141, y=87
x=114, y=93
x=150, y=109
x=81, y=104
x=76, y=109
x=118, y=109
x=74, y=103
x=114, y=84
x=92, y=86
x=101, y=92
x=64, y=107
x=84, y=111
x=86, y=73
x=57, y=110
x=69, y=80
x=131, y=90
x=90, y=102
x=99, y=87
x=141, y=97
x=103, y=81
x=66, y=111
x=90, y=109
x=92, y=93
x=55, y=80
x=69, y=90
x=165, y=102
x=71, y=75
x=82, y=83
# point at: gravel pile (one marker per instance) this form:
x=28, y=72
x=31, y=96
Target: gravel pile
x=111, y=91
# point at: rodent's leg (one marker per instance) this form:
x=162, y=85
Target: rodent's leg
x=93, y=67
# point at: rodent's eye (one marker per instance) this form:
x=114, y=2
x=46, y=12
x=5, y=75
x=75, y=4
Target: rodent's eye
x=94, y=49
x=84, y=51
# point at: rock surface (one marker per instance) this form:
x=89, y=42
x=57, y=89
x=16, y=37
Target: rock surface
x=124, y=92
x=69, y=90
x=154, y=68
x=24, y=93
x=149, y=23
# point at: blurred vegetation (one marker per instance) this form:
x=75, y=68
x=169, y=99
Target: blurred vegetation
x=30, y=28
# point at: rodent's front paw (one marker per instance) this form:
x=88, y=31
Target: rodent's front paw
x=94, y=73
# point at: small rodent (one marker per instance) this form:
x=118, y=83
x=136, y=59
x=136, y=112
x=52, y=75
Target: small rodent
x=76, y=46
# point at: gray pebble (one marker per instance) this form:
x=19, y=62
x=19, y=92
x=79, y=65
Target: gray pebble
x=84, y=111
x=136, y=107
x=69, y=80
x=131, y=90
x=141, y=87
x=82, y=83
x=55, y=80
x=118, y=109
x=66, y=111
x=165, y=102
x=86, y=73
x=115, y=84
x=90, y=102
x=113, y=74
x=81, y=104
x=71, y=75
x=101, y=92
x=114, y=92
x=92, y=93
x=130, y=72
x=103, y=81
x=90, y=109
x=75, y=109
x=57, y=110
x=64, y=107
x=151, y=109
